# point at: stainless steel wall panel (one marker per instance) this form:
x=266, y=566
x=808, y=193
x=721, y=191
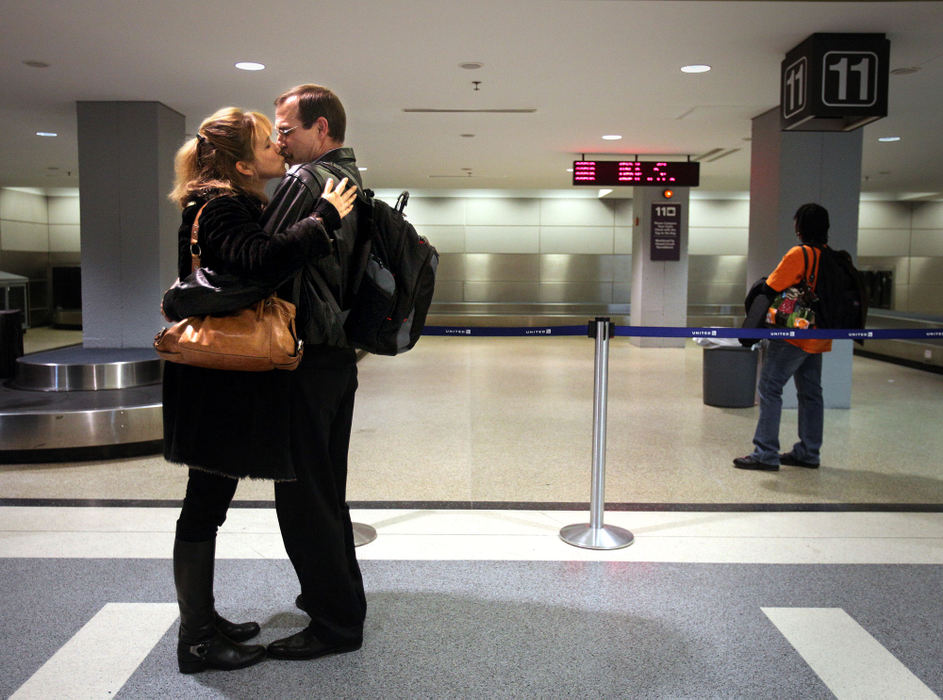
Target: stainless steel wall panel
x=575, y=240
x=927, y=215
x=718, y=269
x=436, y=211
x=623, y=212
x=719, y=213
x=502, y=291
x=25, y=236
x=449, y=291
x=705, y=240
x=622, y=269
x=731, y=294
x=576, y=292
x=23, y=206
x=451, y=267
x=900, y=299
x=927, y=271
x=927, y=243
x=488, y=267
x=502, y=211
x=884, y=242
x=576, y=268
x=622, y=240
x=576, y=212
x=900, y=266
x=446, y=239
x=925, y=299
x=886, y=214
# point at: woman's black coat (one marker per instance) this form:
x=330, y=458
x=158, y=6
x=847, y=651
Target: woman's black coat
x=235, y=423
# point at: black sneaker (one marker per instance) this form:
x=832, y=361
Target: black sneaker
x=790, y=460
x=749, y=462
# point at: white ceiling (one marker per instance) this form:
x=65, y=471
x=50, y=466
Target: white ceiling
x=588, y=67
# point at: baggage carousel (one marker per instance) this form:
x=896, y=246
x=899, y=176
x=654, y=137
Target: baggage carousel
x=78, y=403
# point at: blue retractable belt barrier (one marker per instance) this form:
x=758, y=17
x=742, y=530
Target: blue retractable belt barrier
x=503, y=331
x=671, y=332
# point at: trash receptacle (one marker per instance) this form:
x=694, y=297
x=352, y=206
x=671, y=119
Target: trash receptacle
x=11, y=341
x=730, y=377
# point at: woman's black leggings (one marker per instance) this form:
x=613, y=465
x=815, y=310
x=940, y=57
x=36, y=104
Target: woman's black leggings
x=205, y=505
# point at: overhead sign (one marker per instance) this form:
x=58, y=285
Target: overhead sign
x=636, y=173
x=834, y=82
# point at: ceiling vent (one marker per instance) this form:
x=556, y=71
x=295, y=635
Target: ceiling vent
x=715, y=154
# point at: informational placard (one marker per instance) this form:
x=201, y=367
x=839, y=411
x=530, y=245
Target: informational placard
x=666, y=231
x=834, y=82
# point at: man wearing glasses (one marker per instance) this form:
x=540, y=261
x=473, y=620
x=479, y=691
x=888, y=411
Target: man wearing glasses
x=312, y=510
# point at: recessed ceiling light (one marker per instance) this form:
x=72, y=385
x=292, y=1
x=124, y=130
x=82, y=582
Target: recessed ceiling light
x=471, y=65
x=569, y=170
x=361, y=168
x=695, y=68
x=611, y=137
x=36, y=64
x=889, y=139
x=46, y=133
x=250, y=65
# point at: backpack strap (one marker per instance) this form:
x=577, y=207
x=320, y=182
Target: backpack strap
x=364, y=244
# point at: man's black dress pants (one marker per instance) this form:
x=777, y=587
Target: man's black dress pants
x=312, y=510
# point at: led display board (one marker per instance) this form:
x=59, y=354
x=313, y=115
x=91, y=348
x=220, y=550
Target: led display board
x=636, y=173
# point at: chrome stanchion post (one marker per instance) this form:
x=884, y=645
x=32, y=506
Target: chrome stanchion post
x=596, y=535
x=363, y=534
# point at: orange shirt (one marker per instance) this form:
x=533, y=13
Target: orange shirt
x=791, y=270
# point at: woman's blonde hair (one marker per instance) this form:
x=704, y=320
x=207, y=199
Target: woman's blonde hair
x=208, y=161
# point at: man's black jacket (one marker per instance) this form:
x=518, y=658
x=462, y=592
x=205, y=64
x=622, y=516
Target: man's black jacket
x=319, y=321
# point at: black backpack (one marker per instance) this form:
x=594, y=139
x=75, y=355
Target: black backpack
x=843, y=301
x=395, y=277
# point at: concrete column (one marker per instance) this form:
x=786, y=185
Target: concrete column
x=129, y=251
x=788, y=169
x=659, y=288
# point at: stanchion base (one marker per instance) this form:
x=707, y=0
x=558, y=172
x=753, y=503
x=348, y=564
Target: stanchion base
x=588, y=537
x=363, y=534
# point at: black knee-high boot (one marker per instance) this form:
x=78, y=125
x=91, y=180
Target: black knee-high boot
x=201, y=644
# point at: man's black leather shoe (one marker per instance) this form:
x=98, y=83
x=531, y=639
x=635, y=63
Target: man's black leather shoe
x=790, y=460
x=304, y=645
x=749, y=462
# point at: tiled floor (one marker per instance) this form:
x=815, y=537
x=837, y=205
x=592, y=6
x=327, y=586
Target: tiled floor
x=479, y=450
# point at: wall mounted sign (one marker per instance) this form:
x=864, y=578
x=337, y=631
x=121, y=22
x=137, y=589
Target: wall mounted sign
x=834, y=82
x=666, y=231
x=636, y=173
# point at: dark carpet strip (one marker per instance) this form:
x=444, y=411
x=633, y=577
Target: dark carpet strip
x=510, y=505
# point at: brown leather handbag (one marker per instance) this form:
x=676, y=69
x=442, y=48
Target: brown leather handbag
x=257, y=338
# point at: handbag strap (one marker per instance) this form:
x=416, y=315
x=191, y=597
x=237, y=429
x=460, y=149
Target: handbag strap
x=195, y=251
x=810, y=279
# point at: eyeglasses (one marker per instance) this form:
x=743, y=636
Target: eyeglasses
x=286, y=130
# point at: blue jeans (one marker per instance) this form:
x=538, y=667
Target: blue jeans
x=784, y=360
